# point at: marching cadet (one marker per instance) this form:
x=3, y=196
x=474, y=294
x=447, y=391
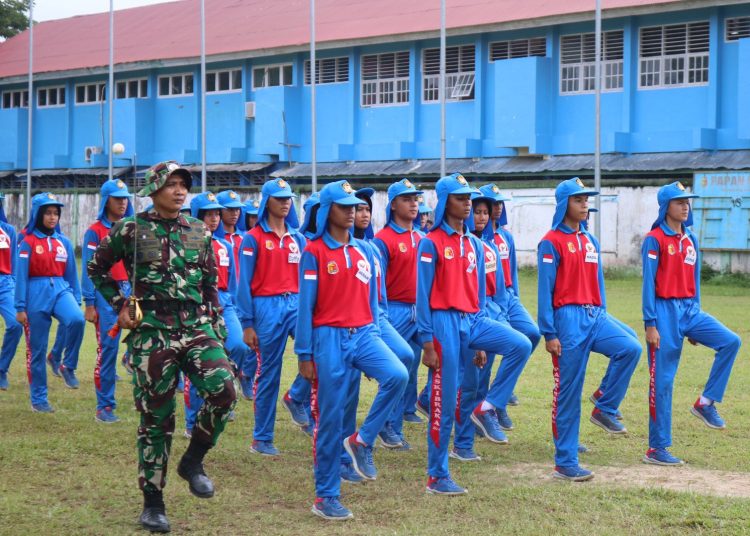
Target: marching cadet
x=267, y=298
x=47, y=285
x=671, y=312
x=424, y=215
x=453, y=328
x=251, y=213
x=114, y=204
x=13, y=330
x=180, y=329
x=574, y=321
x=250, y=364
x=397, y=243
x=331, y=339
x=230, y=216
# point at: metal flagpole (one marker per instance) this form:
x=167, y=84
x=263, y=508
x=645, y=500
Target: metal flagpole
x=203, y=96
x=441, y=88
x=30, y=108
x=111, y=83
x=313, y=115
x=598, y=114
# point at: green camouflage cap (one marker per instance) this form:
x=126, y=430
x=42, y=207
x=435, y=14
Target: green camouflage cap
x=157, y=175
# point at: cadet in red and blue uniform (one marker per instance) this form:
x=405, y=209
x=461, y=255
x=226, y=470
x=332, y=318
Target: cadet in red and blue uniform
x=230, y=217
x=47, y=285
x=297, y=398
x=267, y=299
x=114, y=204
x=424, y=215
x=398, y=242
x=13, y=330
x=334, y=337
x=671, y=312
x=246, y=222
x=205, y=207
x=574, y=321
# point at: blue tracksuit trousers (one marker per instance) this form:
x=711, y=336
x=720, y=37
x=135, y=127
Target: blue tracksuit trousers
x=50, y=297
x=275, y=321
x=106, y=355
x=336, y=351
x=582, y=330
x=520, y=319
x=497, y=337
x=405, y=354
x=403, y=318
x=631, y=331
x=13, y=329
x=675, y=320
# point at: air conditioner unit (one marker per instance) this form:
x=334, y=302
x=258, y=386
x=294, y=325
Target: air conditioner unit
x=88, y=151
x=250, y=110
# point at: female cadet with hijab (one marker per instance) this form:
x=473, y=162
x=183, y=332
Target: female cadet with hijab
x=47, y=285
x=13, y=329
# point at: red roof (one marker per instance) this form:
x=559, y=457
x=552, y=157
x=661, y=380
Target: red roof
x=171, y=30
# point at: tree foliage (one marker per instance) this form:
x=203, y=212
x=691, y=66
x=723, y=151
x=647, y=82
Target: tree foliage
x=14, y=17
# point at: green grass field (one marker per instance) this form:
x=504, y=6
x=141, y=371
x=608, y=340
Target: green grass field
x=66, y=474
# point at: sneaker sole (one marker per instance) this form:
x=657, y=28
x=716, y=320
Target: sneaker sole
x=97, y=419
x=651, y=461
x=479, y=424
x=560, y=476
x=608, y=430
x=514, y=404
x=423, y=411
x=34, y=410
x=296, y=423
x=446, y=493
x=349, y=451
x=266, y=454
x=389, y=446
x=322, y=515
x=506, y=429
x=702, y=418
x=462, y=459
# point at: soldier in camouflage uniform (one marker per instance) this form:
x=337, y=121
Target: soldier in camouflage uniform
x=181, y=330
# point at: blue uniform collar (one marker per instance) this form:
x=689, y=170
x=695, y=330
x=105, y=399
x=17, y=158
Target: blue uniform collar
x=567, y=230
x=332, y=243
x=668, y=230
x=400, y=230
x=40, y=234
x=451, y=231
x=267, y=229
x=105, y=221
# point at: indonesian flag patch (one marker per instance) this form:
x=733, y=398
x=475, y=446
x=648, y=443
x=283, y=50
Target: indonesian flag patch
x=311, y=275
x=248, y=251
x=425, y=257
x=652, y=254
x=24, y=254
x=91, y=245
x=549, y=259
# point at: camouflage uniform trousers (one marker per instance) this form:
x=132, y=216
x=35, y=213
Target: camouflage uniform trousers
x=157, y=356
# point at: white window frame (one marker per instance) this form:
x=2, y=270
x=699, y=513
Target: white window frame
x=216, y=73
x=668, y=64
x=175, y=95
x=58, y=91
x=340, y=75
x=516, y=43
x=101, y=93
x=459, y=83
x=127, y=83
x=612, y=79
x=745, y=21
x=282, y=81
x=12, y=93
x=390, y=91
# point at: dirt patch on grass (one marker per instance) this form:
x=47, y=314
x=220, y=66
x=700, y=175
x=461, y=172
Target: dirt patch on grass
x=683, y=479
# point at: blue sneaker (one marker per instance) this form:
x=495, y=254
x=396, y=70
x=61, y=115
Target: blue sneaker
x=361, y=457
x=3, y=381
x=296, y=410
x=388, y=438
x=330, y=508
x=513, y=400
x=661, y=456
x=464, y=455
x=596, y=395
x=607, y=422
x=246, y=385
x=503, y=419
x=582, y=449
x=708, y=414
x=264, y=448
x=413, y=418
x=424, y=410
x=444, y=486
x=573, y=474
x=44, y=407
x=486, y=421
x=405, y=445
x=54, y=365
x=349, y=474
x=106, y=415
x=309, y=429
x=69, y=377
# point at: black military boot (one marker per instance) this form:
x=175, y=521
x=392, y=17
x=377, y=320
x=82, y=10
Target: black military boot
x=154, y=516
x=191, y=469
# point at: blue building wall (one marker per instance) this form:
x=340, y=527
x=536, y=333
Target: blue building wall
x=517, y=107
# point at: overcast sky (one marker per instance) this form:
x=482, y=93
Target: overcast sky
x=57, y=9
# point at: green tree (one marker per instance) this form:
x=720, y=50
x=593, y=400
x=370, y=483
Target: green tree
x=14, y=17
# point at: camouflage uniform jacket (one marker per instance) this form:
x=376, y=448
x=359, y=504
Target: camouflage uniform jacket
x=176, y=274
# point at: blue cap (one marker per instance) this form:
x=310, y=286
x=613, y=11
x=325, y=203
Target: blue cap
x=312, y=202
x=491, y=190
x=366, y=194
x=45, y=199
x=204, y=201
x=564, y=191
x=339, y=192
x=402, y=187
x=280, y=189
x=454, y=184
x=251, y=207
x=424, y=208
x=2, y=209
x=668, y=193
x=229, y=199
x=113, y=188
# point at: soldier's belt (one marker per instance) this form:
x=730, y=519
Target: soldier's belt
x=169, y=306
